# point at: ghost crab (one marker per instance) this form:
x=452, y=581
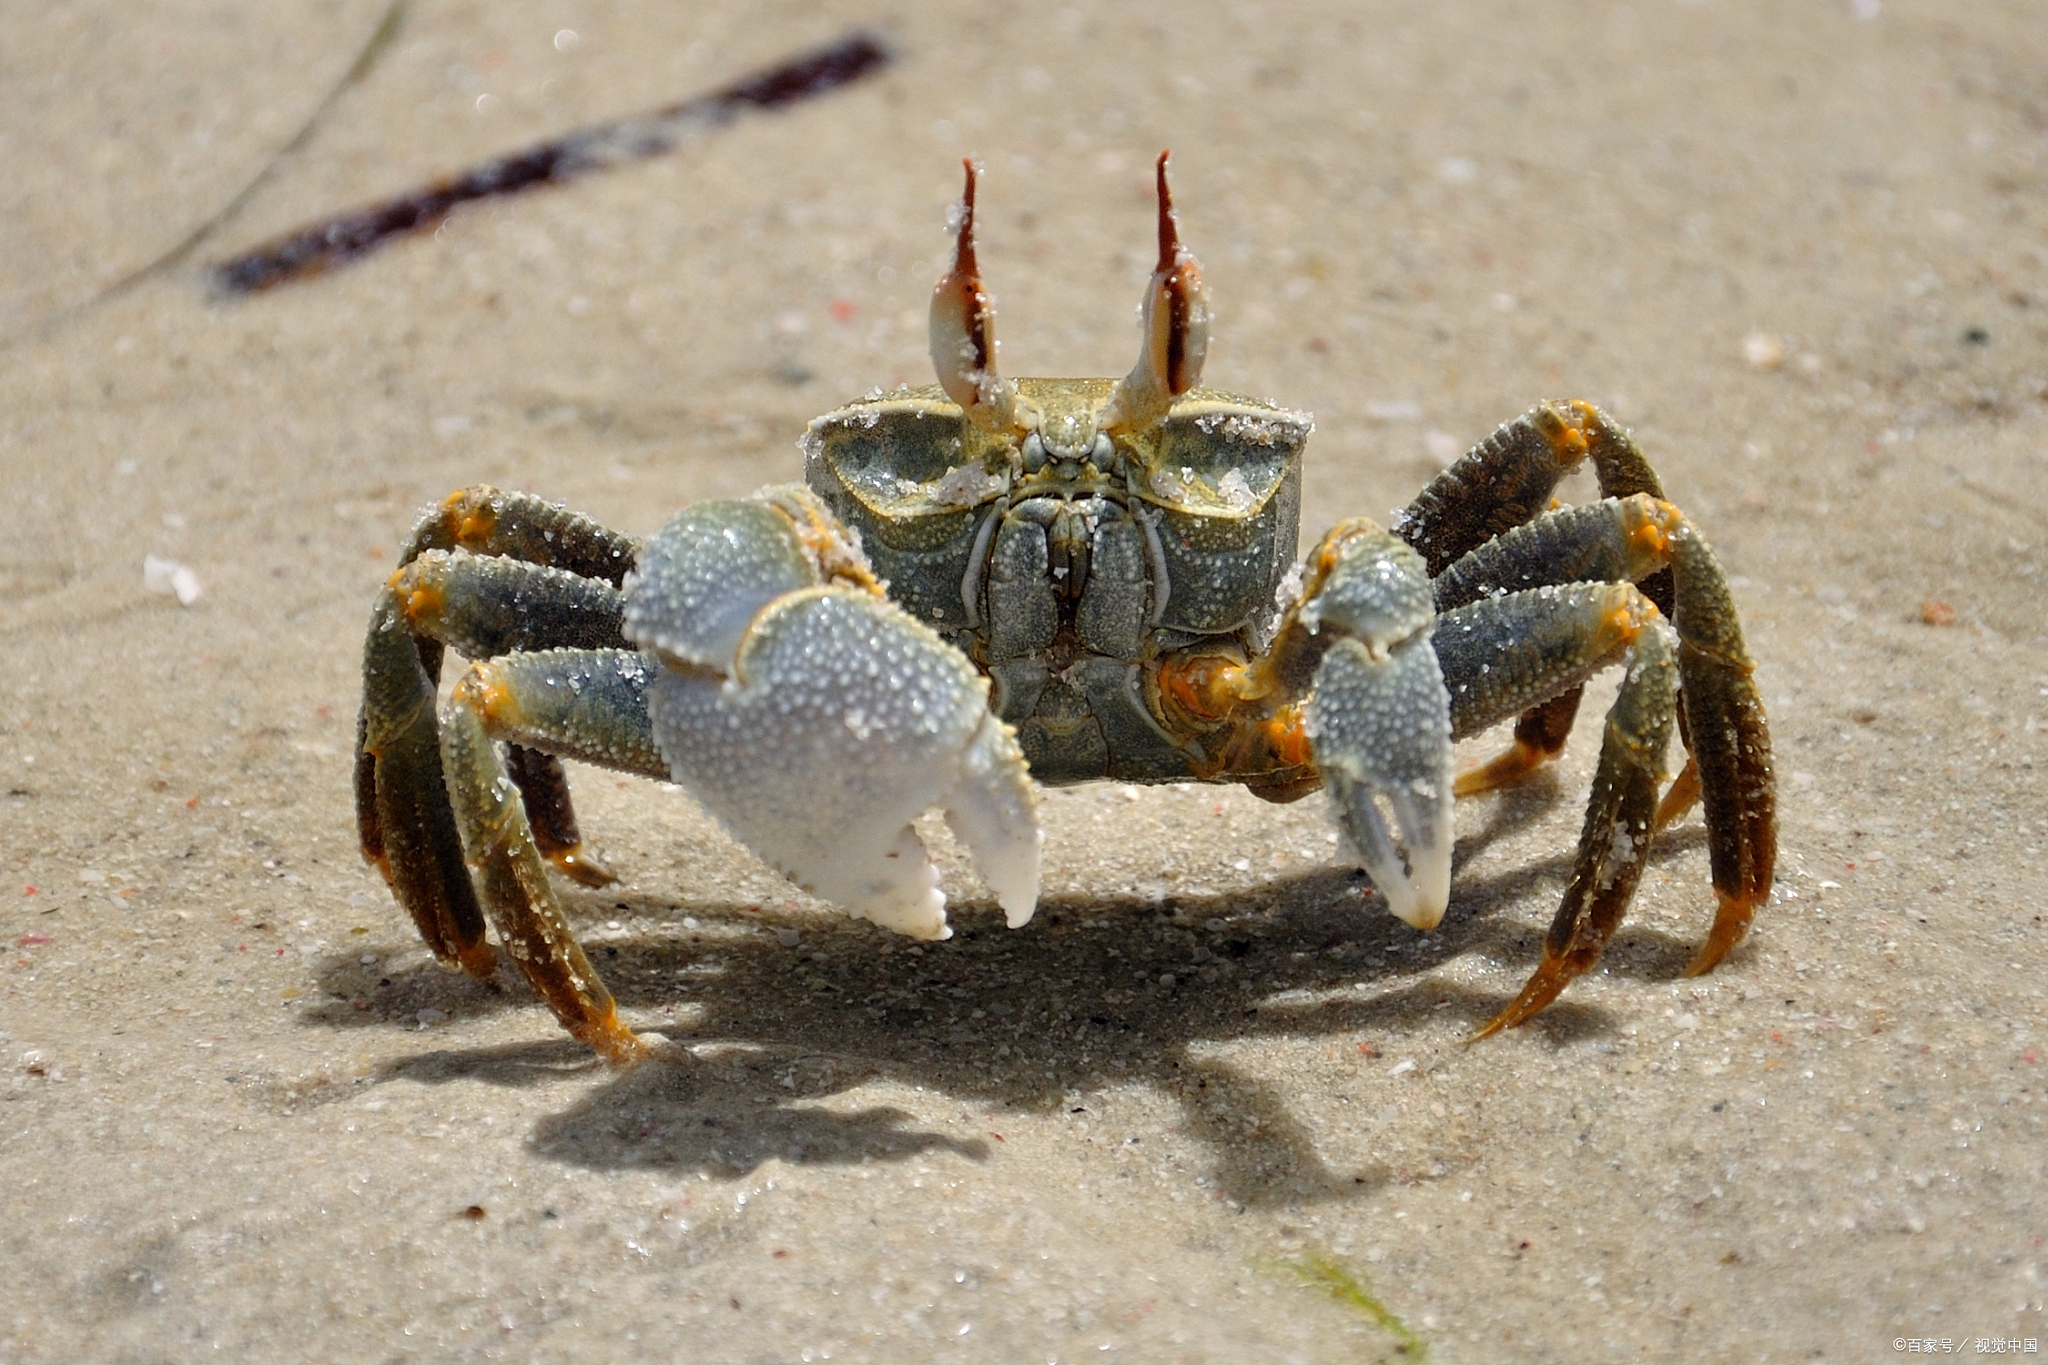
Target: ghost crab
x=995, y=579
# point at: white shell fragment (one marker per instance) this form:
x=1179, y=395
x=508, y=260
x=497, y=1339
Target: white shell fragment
x=839, y=721
x=169, y=578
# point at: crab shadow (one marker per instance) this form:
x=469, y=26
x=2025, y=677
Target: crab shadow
x=777, y=1014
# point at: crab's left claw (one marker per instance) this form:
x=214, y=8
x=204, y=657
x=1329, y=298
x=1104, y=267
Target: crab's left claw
x=1379, y=716
x=816, y=719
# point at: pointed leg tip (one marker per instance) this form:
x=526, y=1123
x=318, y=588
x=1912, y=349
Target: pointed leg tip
x=1512, y=765
x=626, y=1051
x=1680, y=798
x=609, y=1037
x=1544, y=985
x=1731, y=925
x=478, y=961
x=1493, y=1026
x=583, y=867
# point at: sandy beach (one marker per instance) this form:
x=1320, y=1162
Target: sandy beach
x=1213, y=1103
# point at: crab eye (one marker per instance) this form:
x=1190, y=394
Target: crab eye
x=1174, y=326
x=963, y=332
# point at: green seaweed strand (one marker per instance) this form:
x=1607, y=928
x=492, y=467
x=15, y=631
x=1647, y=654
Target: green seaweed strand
x=1322, y=1271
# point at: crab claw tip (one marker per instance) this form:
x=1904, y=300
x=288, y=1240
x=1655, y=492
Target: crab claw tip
x=993, y=811
x=1419, y=897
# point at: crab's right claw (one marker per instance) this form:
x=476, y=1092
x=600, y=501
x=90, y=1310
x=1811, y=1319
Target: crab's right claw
x=1379, y=717
x=816, y=719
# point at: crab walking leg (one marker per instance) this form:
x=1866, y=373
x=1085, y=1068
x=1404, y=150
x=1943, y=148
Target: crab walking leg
x=1724, y=726
x=816, y=719
x=1616, y=540
x=402, y=812
x=544, y=791
x=1503, y=655
x=1610, y=541
x=1644, y=539
x=1539, y=736
x=1500, y=656
x=490, y=521
x=1615, y=842
x=1619, y=540
x=1506, y=481
x=485, y=606
x=589, y=704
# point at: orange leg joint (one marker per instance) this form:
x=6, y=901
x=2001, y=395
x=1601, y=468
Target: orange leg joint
x=471, y=519
x=484, y=690
x=1650, y=523
x=1567, y=440
x=423, y=602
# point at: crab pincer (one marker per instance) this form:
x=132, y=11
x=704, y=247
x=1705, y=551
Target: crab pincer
x=1379, y=717
x=816, y=719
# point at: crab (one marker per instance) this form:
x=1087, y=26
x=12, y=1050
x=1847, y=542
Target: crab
x=990, y=581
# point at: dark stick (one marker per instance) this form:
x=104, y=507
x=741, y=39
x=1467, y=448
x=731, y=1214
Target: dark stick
x=346, y=236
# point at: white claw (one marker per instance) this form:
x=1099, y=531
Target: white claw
x=895, y=884
x=841, y=720
x=992, y=811
x=1417, y=888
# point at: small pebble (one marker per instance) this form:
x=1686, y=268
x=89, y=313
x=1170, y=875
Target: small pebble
x=169, y=578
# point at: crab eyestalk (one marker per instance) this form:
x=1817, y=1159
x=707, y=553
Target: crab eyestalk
x=963, y=332
x=1174, y=331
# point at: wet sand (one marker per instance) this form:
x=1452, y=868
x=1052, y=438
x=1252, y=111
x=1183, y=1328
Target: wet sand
x=1802, y=249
